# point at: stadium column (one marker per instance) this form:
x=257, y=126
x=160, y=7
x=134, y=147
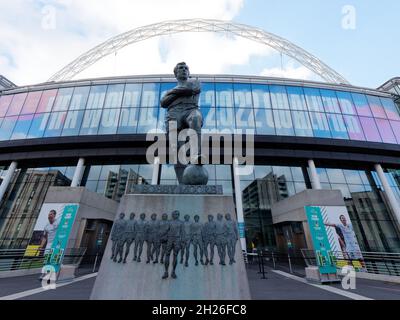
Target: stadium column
x=7, y=178
x=316, y=184
x=389, y=192
x=78, y=174
x=156, y=171
x=239, y=203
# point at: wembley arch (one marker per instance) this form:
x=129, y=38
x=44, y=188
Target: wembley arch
x=199, y=25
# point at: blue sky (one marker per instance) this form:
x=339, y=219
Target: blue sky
x=366, y=56
x=48, y=34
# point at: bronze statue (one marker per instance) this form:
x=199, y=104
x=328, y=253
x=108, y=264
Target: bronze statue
x=151, y=235
x=129, y=234
x=209, y=239
x=232, y=237
x=160, y=243
x=174, y=238
x=186, y=239
x=140, y=231
x=197, y=239
x=117, y=238
x=183, y=113
x=221, y=232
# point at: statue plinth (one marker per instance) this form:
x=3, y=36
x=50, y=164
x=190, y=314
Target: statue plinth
x=141, y=280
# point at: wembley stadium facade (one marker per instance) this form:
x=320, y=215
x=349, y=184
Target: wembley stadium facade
x=307, y=135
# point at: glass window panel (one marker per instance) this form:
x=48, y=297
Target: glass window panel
x=7, y=127
x=147, y=120
x=101, y=186
x=261, y=98
x=391, y=110
x=168, y=172
x=73, y=123
x=297, y=174
x=242, y=95
x=262, y=171
x=108, y=171
x=385, y=131
x=370, y=130
x=225, y=119
x=211, y=171
x=244, y=118
x=227, y=187
x=224, y=95
x=396, y=129
x=313, y=99
x=352, y=176
x=361, y=103
x=146, y=171
x=132, y=95
x=16, y=104
x=22, y=127
x=336, y=175
x=320, y=125
x=376, y=107
x=353, y=188
x=90, y=122
x=4, y=104
x=246, y=174
x=55, y=124
x=94, y=173
x=79, y=98
x=323, y=176
x=330, y=101
x=38, y=125
x=150, y=95
x=264, y=121
x=207, y=106
x=128, y=120
x=296, y=98
x=283, y=123
x=300, y=186
x=353, y=127
x=343, y=188
x=337, y=126
x=346, y=102
x=31, y=102
x=283, y=171
x=63, y=99
x=114, y=96
x=302, y=124
x=109, y=121
x=96, y=97
x=223, y=172
x=279, y=97
x=46, y=101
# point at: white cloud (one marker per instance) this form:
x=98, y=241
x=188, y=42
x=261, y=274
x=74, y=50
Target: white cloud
x=30, y=53
x=290, y=71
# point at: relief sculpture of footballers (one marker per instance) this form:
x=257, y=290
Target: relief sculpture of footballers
x=129, y=234
x=186, y=240
x=117, y=238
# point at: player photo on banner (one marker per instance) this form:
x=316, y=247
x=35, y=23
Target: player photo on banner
x=342, y=237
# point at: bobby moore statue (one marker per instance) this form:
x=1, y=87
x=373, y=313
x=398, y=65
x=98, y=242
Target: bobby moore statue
x=182, y=104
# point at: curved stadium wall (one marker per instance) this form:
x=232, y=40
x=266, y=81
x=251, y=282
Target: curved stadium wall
x=344, y=129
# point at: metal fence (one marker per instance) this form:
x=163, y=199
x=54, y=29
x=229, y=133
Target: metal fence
x=19, y=259
x=385, y=263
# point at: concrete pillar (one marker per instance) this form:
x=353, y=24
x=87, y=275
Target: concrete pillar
x=239, y=204
x=78, y=174
x=316, y=184
x=7, y=179
x=394, y=204
x=156, y=171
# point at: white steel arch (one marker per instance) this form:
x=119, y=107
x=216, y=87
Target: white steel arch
x=198, y=25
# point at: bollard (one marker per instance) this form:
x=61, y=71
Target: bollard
x=290, y=264
x=273, y=260
x=95, y=262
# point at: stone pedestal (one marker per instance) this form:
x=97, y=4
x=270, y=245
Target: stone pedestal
x=138, y=280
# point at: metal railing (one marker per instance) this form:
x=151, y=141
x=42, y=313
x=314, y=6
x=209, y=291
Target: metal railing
x=291, y=261
x=385, y=263
x=19, y=259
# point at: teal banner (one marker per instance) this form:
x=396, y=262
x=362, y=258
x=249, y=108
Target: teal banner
x=322, y=247
x=54, y=257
